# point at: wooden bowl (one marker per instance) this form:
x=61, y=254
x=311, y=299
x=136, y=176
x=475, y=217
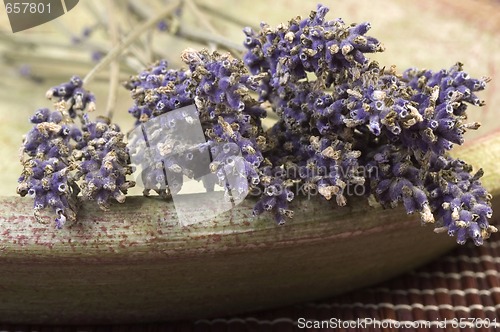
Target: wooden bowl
x=136, y=263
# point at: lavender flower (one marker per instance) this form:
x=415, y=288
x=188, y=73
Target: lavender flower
x=219, y=86
x=441, y=99
x=46, y=175
x=275, y=195
x=103, y=163
x=64, y=158
x=460, y=201
x=72, y=97
x=325, y=48
x=351, y=122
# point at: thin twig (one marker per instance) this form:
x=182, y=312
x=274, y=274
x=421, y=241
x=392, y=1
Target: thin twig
x=141, y=10
x=65, y=30
x=199, y=35
x=141, y=50
x=140, y=55
x=148, y=46
x=46, y=59
x=225, y=16
x=118, y=49
x=96, y=13
x=120, y=7
x=203, y=20
x=200, y=16
x=41, y=41
x=144, y=11
x=43, y=64
x=188, y=32
x=114, y=67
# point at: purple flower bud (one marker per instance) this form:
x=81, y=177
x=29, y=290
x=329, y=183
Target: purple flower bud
x=361, y=28
x=41, y=115
x=483, y=210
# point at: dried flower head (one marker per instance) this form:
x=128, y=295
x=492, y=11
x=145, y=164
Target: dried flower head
x=64, y=158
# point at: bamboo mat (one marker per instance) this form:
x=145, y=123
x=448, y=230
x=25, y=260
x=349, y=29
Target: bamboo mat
x=463, y=286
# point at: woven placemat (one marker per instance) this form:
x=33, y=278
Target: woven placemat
x=461, y=289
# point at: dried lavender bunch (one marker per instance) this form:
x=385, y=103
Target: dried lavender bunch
x=312, y=119
x=46, y=175
x=459, y=200
x=314, y=45
x=103, y=162
x=64, y=158
x=441, y=99
x=444, y=189
x=219, y=86
x=346, y=121
x=158, y=90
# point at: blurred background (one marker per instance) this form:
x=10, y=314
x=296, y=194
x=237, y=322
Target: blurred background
x=432, y=34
